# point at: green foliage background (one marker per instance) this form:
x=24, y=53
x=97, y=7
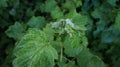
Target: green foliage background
x=100, y=18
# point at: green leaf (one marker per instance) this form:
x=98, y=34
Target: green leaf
x=107, y=35
x=95, y=62
x=117, y=22
x=57, y=13
x=70, y=64
x=112, y=2
x=9, y=58
x=96, y=3
x=30, y=12
x=100, y=27
x=37, y=22
x=86, y=59
x=69, y=5
x=72, y=46
x=49, y=5
x=3, y=3
x=96, y=13
x=77, y=18
x=77, y=2
x=34, y=50
x=15, y=31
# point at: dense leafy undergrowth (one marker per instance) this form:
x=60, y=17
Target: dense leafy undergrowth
x=59, y=33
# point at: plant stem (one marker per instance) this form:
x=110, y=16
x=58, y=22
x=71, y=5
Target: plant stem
x=61, y=54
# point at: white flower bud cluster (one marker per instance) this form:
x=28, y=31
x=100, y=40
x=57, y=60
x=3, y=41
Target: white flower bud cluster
x=65, y=22
x=69, y=22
